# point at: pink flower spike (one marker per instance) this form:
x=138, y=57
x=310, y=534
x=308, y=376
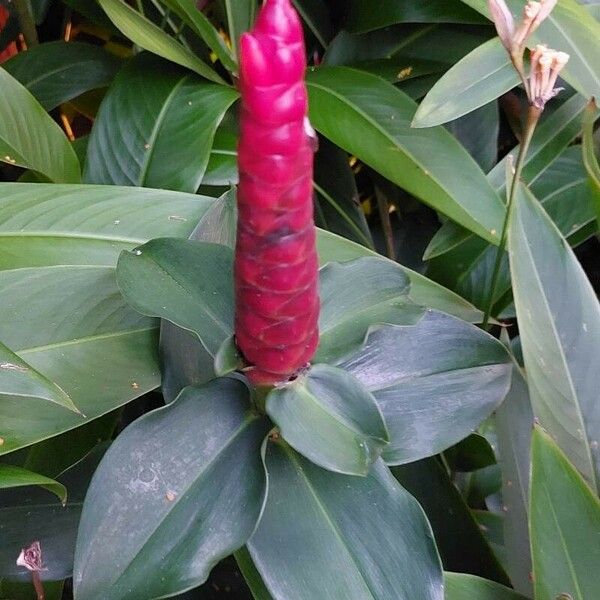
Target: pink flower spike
x=503, y=20
x=547, y=6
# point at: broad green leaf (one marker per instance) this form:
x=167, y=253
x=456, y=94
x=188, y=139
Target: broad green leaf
x=251, y=575
x=338, y=207
x=316, y=16
x=327, y=416
x=61, y=310
x=218, y=224
x=473, y=453
x=197, y=21
x=565, y=525
x=56, y=72
x=559, y=323
x=335, y=538
x=12, y=476
x=478, y=132
x=188, y=480
x=147, y=35
x=186, y=282
x=240, y=18
x=423, y=291
x=514, y=423
x=435, y=382
x=222, y=165
x=30, y=138
x=360, y=16
x=458, y=537
x=460, y=586
x=589, y=155
x=170, y=145
x=480, y=77
x=348, y=311
x=370, y=118
x=18, y=379
x=571, y=29
x=31, y=514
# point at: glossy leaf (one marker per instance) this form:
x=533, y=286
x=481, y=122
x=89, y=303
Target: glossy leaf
x=334, y=539
x=559, y=323
x=149, y=36
x=12, y=477
x=30, y=138
x=197, y=21
x=480, y=77
x=56, y=72
x=329, y=417
x=28, y=514
x=348, y=311
x=160, y=279
x=565, y=525
x=170, y=145
x=435, y=382
x=361, y=17
x=589, y=155
x=61, y=310
x=461, y=586
x=371, y=119
x=18, y=379
x=458, y=537
x=189, y=498
x=514, y=423
x=572, y=30
x=240, y=18
x=316, y=16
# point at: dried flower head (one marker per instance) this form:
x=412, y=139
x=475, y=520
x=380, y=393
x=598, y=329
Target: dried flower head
x=31, y=558
x=546, y=65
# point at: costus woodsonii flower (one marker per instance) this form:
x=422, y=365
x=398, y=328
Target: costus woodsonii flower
x=276, y=265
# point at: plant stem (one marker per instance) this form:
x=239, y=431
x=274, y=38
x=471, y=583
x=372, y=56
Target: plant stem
x=26, y=22
x=37, y=584
x=533, y=116
x=386, y=223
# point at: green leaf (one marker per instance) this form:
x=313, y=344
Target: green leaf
x=251, y=575
x=186, y=282
x=347, y=311
x=170, y=145
x=459, y=539
x=222, y=166
x=30, y=138
x=565, y=525
x=423, y=291
x=470, y=454
x=149, y=36
x=338, y=206
x=480, y=77
x=12, y=476
x=552, y=136
x=240, y=18
x=18, y=379
x=60, y=308
x=197, y=22
x=460, y=586
x=361, y=17
x=327, y=416
x=188, y=480
x=370, y=118
x=56, y=72
x=29, y=514
x=316, y=15
x=514, y=423
x=589, y=155
x=334, y=538
x=435, y=382
x=559, y=323
x=571, y=29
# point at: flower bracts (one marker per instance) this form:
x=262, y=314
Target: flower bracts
x=276, y=265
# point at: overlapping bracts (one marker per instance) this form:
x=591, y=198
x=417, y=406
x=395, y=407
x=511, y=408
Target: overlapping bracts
x=276, y=266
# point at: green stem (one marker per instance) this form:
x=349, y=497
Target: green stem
x=26, y=22
x=533, y=116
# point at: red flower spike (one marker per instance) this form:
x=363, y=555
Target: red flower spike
x=11, y=49
x=276, y=266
